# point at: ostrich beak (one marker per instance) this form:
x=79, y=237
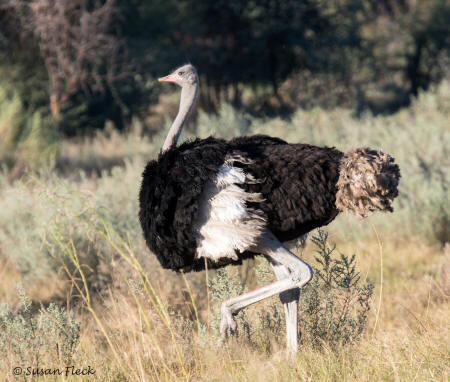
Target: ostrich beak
x=169, y=78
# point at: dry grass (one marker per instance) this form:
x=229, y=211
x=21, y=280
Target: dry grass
x=134, y=337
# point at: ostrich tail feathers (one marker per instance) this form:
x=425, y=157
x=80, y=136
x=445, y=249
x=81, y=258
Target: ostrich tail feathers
x=368, y=182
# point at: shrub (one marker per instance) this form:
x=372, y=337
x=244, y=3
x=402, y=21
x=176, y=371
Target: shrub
x=258, y=325
x=225, y=285
x=335, y=304
x=51, y=334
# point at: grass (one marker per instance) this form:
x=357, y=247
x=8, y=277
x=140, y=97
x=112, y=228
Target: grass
x=69, y=233
x=409, y=343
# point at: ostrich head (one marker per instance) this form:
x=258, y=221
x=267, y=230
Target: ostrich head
x=184, y=75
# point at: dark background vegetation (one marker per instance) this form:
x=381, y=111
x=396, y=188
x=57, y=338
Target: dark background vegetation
x=83, y=62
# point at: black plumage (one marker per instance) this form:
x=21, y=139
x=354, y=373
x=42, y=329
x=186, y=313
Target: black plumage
x=296, y=181
x=216, y=201
x=291, y=188
x=169, y=199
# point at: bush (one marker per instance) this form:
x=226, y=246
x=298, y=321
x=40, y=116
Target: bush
x=53, y=334
x=335, y=304
x=225, y=285
x=259, y=325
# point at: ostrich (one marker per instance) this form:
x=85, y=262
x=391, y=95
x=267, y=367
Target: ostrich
x=211, y=202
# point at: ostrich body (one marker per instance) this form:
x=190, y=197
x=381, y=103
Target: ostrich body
x=219, y=202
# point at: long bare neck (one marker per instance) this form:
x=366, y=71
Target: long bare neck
x=188, y=97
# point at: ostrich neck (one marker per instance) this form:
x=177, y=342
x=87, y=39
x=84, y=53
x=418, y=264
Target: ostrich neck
x=188, y=96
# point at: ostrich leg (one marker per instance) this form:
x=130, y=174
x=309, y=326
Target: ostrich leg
x=289, y=299
x=295, y=275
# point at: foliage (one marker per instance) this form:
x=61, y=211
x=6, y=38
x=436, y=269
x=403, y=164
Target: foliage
x=225, y=285
x=54, y=206
x=27, y=137
x=253, y=42
x=336, y=302
x=334, y=306
x=51, y=334
x=68, y=61
x=99, y=61
x=414, y=36
x=74, y=43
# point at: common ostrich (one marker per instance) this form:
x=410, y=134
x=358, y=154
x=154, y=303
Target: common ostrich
x=219, y=202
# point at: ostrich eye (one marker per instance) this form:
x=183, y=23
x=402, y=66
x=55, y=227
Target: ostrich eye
x=180, y=73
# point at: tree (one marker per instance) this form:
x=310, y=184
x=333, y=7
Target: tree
x=76, y=44
x=252, y=42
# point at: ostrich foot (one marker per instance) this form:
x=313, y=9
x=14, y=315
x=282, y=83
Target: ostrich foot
x=227, y=323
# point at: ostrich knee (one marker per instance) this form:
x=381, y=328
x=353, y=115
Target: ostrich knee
x=301, y=274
